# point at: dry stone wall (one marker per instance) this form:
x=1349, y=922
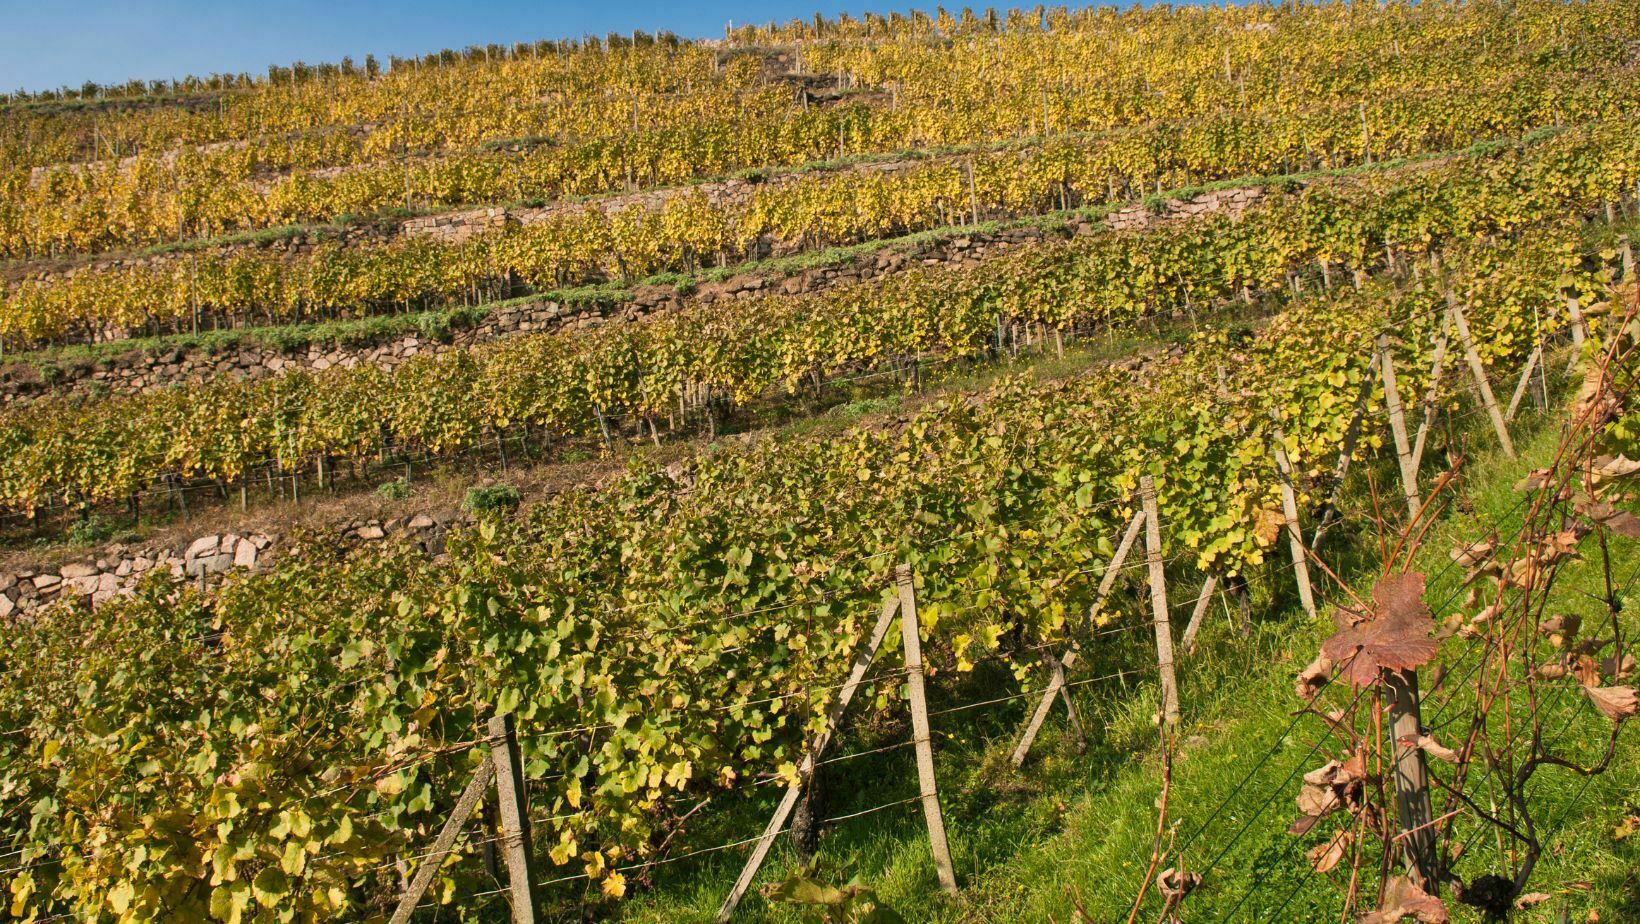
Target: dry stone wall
x=137, y=371
x=118, y=568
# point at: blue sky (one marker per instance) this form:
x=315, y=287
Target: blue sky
x=49, y=43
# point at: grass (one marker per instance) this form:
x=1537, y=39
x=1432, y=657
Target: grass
x=1077, y=828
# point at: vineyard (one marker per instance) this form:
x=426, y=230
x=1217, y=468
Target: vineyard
x=964, y=590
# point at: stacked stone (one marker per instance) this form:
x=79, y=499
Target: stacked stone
x=119, y=568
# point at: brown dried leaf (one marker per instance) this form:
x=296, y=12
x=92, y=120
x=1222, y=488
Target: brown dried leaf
x=1553, y=670
x=1562, y=546
x=1588, y=646
x=1452, y=625
x=1323, y=857
x=1175, y=885
x=1331, y=787
x=1431, y=747
x=1620, y=522
x=1530, y=899
x=1302, y=825
x=1536, y=481
x=1586, y=671
x=1617, y=670
x=1488, y=613
x=1313, y=678
x=1594, y=403
x=1517, y=573
x=1316, y=800
x=1618, y=703
x=1403, y=899
x=1566, y=625
x=1607, y=467
x=1476, y=555
x=1267, y=528
x=1397, y=638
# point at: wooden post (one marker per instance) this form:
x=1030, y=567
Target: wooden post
x=973, y=194
x=515, y=818
x=1056, y=685
x=1412, y=807
x=182, y=499
x=1580, y=331
x=1158, y=601
x=1479, y=372
x=911, y=636
x=1295, y=535
x=1398, y=428
x=1426, y=417
x=444, y=843
x=1366, y=135
x=834, y=718
x=1188, y=640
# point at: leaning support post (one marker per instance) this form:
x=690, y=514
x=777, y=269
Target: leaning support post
x=911, y=635
x=1524, y=383
x=1295, y=534
x=1188, y=640
x=1158, y=601
x=1056, y=685
x=1057, y=670
x=515, y=818
x=1398, y=428
x=834, y=718
x=1346, y=453
x=1412, y=806
x=1479, y=372
x=1426, y=417
x=444, y=844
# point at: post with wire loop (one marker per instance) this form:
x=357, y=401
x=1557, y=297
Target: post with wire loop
x=1412, y=805
x=504, y=768
x=911, y=635
x=515, y=817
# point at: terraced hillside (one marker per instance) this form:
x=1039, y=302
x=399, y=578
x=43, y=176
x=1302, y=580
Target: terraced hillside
x=987, y=302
